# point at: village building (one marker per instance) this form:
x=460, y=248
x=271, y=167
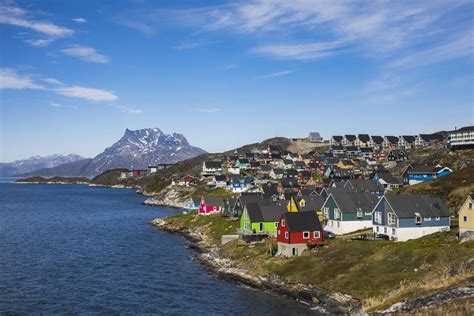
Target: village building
x=210, y=168
x=348, y=140
x=193, y=203
x=260, y=218
x=315, y=137
x=376, y=142
x=414, y=174
x=210, y=205
x=404, y=217
x=466, y=215
x=406, y=142
x=335, y=141
x=428, y=140
x=362, y=141
x=388, y=181
x=348, y=211
x=462, y=138
x=397, y=155
x=297, y=232
x=390, y=142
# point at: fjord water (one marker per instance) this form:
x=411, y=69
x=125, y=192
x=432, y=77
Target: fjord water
x=76, y=249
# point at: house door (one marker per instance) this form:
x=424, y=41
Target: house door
x=261, y=227
x=295, y=251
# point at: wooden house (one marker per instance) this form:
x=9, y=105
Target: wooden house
x=210, y=205
x=298, y=231
x=409, y=216
x=466, y=215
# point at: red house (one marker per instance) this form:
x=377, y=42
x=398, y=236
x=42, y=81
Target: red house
x=140, y=172
x=210, y=205
x=297, y=231
x=185, y=181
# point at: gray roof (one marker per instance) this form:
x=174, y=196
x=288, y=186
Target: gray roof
x=392, y=139
x=389, y=178
x=213, y=200
x=302, y=221
x=405, y=206
x=364, y=137
x=312, y=203
x=425, y=169
x=315, y=136
x=259, y=212
x=377, y=139
x=408, y=138
x=337, y=138
x=364, y=185
x=213, y=164
x=349, y=202
x=350, y=137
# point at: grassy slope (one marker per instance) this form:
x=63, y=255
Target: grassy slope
x=378, y=272
x=452, y=189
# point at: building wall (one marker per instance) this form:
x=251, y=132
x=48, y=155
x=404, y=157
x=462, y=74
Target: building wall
x=407, y=233
x=287, y=250
x=345, y=227
x=410, y=222
x=469, y=213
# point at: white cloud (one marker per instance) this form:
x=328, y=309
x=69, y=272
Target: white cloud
x=274, y=74
x=302, y=51
x=229, y=67
x=10, y=79
x=85, y=53
x=56, y=105
x=128, y=110
x=90, y=94
x=19, y=17
x=80, y=20
x=207, y=110
x=460, y=47
x=53, y=81
x=59, y=105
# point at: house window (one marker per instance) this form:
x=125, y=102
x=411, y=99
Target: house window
x=337, y=213
x=470, y=206
x=305, y=235
x=276, y=224
x=385, y=230
x=282, y=223
x=359, y=213
x=286, y=235
x=338, y=224
x=316, y=234
x=378, y=217
x=438, y=218
x=427, y=219
x=247, y=226
x=377, y=229
x=391, y=219
x=417, y=219
x=465, y=219
x=214, y=208
x=393, y=231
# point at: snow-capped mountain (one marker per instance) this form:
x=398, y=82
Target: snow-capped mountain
x=135, y=150
x=34, y=163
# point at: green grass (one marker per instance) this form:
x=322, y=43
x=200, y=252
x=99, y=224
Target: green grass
x=378, y=272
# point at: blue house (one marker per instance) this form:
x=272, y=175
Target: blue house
x=242, y=163
x=404, y=217
x=420, y=173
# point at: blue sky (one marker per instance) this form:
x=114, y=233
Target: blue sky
x=75, y=74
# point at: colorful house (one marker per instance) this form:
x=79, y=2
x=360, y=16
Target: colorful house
x=388, y=181
x=298, y=231
x=210, y=205
x=193, y=203
x=212, y=167
x=416, y=174
x=349, y=211
x=411, y=216
x=306, y=204
x=466, y=215
x=261, y=218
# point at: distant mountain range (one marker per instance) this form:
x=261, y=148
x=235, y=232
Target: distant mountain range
x=135, y=150
x=36, y=162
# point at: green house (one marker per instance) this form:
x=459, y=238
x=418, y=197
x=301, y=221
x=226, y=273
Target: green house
x=261, y=218
x=345, y=212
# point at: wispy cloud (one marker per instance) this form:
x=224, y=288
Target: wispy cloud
x=16, y=16
x=90, y=94
x=53, y=81
x=194, y=44
x=207, y=110
x=460, y=47
x=128, y=110
x=10, y=79
x=85, y=53
x=229, y=67
x=80, y=20
x=274, y=75
x=301, y=51
x=59, y=105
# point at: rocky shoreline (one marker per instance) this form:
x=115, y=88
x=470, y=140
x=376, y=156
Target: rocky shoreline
x=317, y=299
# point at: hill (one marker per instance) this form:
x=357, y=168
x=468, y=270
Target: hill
x=452, y=189
x=34, y=163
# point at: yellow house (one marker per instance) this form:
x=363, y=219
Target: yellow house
x=345, y=164
x=466, y=215
x=306, y=204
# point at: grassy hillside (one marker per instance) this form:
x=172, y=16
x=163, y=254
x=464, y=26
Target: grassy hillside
x=452, y=189
x=379, y=273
